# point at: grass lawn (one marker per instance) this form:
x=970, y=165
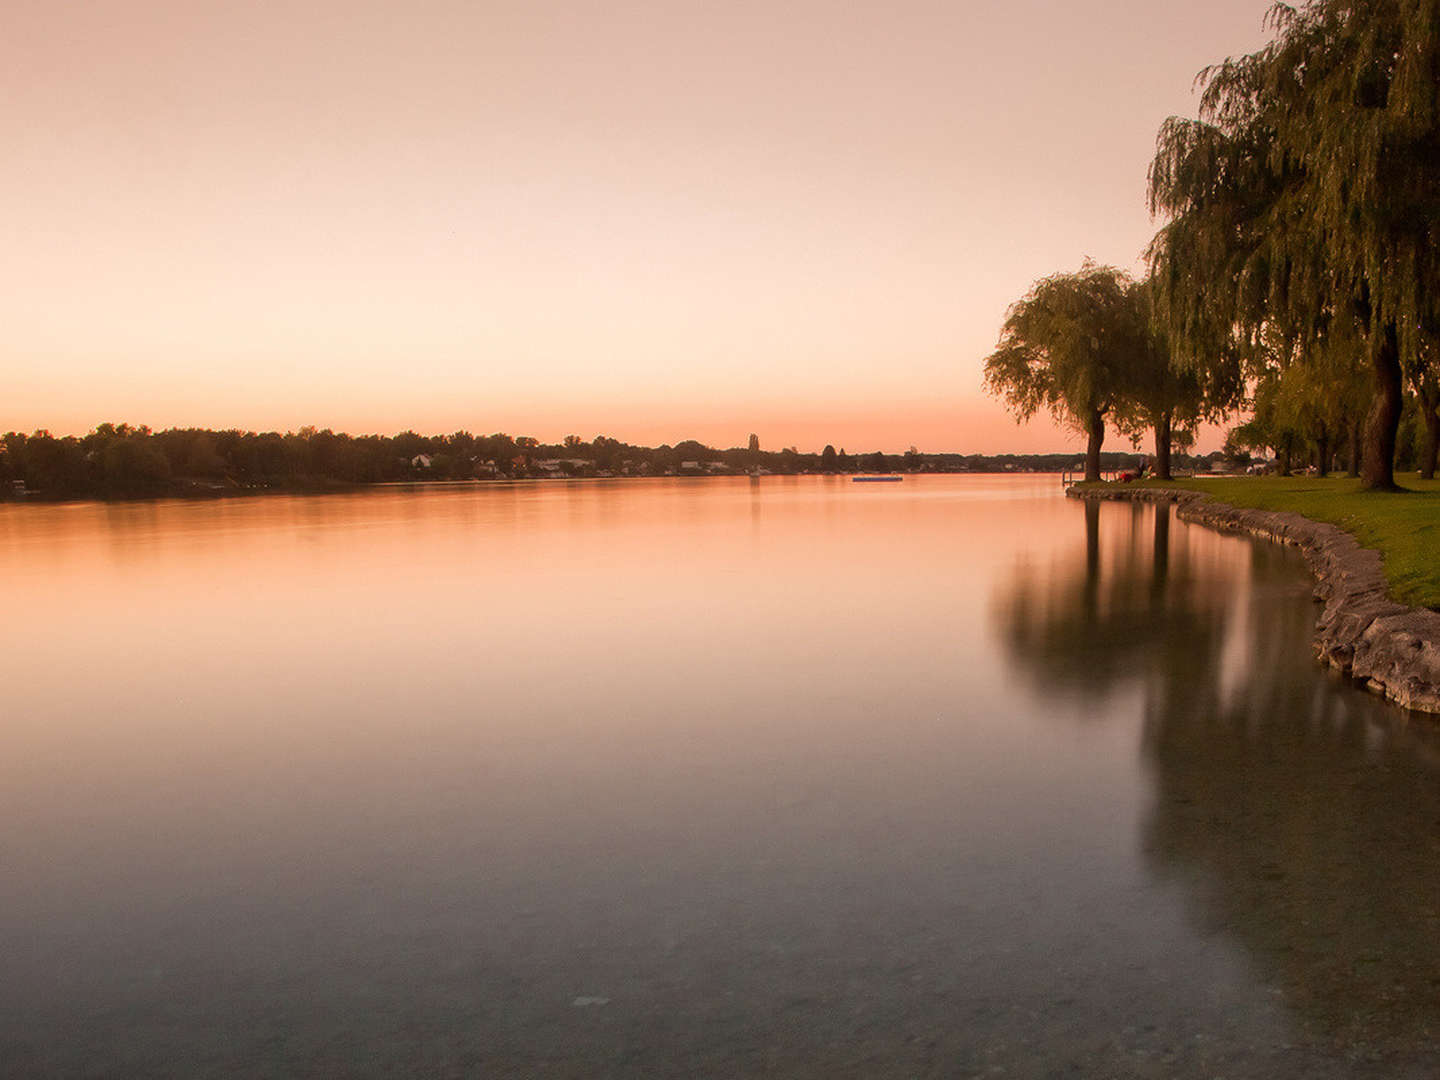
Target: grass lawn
x=1404, y=527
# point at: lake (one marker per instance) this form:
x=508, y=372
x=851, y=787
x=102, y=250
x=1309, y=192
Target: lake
x=792, y=777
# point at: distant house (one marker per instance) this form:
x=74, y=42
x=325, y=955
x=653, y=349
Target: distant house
x=563, y=467
x=421, y=461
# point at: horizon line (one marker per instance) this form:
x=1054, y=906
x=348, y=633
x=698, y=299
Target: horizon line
x=313, y=429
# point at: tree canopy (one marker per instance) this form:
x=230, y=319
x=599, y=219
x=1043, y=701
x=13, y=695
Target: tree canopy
x=1162, y=397
x=1076, y=346
x=1304, y=204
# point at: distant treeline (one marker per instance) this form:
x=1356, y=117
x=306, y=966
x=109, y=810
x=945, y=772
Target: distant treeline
x=121, y=461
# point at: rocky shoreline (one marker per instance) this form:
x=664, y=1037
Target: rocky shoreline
x=1392, y=648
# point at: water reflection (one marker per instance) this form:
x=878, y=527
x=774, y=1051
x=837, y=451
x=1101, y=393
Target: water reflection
x=1296, y=814
x=382, y=785
x=1301, y=819
x=1080, y=628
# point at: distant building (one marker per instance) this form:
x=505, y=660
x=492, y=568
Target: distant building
x=421, y=461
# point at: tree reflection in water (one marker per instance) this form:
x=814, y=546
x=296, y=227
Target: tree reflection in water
x=1081, y=632
x=1298, y=815
x=1301, y=816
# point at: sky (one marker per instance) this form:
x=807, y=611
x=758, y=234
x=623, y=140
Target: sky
x=650, y=219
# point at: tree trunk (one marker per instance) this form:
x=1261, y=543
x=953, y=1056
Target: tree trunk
x=1430, y=410
x=1162, y=447
x=1352, y=463
x=1092, y=449
x=1322, y=445
x=1377, y=467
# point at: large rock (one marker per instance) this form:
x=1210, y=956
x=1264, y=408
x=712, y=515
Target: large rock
x=1399, y=655
x=1393, y=649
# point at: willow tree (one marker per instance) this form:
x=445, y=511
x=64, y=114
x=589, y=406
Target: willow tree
x=1165, y=401
x=1071, y=346
x=1307, y=194
x=1318, y=403
x=1164, y=397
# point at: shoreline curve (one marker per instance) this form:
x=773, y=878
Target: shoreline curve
x=1392, y=648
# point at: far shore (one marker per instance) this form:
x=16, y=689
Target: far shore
x=203, y=491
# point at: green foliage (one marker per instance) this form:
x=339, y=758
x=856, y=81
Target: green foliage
x=1163, y=396
x=1302, y=207
x=49, y=464
x=1071, y=347
x=132, y=465
x=1086, y=348
x=1316, y=404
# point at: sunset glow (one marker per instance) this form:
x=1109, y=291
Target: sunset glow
x=655, y=221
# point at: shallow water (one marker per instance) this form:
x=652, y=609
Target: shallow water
x=788, y=777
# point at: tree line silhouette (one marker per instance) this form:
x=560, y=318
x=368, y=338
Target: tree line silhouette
x=126, y=461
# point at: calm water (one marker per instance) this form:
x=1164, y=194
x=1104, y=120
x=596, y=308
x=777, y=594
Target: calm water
x=953, y=777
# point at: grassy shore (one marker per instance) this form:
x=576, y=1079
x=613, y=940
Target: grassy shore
x=1404, y=527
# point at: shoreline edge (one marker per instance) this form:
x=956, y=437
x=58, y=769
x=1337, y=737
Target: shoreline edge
x=1390, y=647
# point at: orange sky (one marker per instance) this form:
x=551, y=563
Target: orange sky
x=654, y=220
